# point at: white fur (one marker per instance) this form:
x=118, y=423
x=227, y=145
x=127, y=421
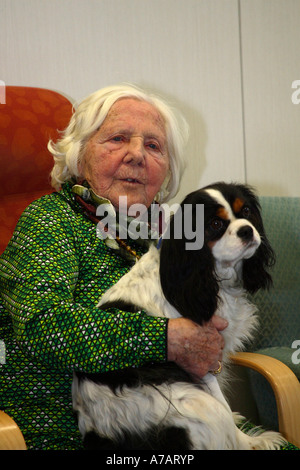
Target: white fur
x=202, y=410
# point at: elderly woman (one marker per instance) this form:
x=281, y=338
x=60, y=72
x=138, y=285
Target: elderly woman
x=119, y=142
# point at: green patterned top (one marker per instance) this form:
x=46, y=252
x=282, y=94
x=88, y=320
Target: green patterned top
x=52, y=275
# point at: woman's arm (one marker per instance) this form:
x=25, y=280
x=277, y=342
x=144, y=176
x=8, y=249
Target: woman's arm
x=52, y=273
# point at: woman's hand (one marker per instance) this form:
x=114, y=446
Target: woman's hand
x=197, y=349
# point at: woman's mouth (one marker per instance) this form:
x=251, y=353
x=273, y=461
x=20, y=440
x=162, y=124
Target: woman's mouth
x=131, y=180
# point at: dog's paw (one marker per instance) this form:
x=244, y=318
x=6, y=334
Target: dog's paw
x=257, y=439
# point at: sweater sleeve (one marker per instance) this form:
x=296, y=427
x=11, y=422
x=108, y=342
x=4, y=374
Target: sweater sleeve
x=43, y=288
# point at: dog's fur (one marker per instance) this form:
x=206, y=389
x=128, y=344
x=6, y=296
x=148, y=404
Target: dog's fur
x=159, y=406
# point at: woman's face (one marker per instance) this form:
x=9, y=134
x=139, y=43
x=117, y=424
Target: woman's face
x=127, y=155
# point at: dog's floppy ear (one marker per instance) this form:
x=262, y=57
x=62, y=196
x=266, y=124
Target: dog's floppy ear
x=187, y=276
x=255, y=269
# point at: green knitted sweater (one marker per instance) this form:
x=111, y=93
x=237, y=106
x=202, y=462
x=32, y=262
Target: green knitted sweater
x=52, y=275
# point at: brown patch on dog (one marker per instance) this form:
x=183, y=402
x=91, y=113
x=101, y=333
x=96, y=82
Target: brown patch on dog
x=237, y=205
x=222, y=213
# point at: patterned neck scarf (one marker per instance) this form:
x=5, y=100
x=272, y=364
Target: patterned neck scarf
x=120, y=223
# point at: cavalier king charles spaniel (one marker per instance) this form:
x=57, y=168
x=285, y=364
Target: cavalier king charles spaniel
x=158, y=406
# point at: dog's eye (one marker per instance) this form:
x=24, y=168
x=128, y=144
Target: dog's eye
x=245, y=212
x=217, y=224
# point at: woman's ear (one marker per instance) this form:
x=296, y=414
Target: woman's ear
x=80, y=165
x=164, y=189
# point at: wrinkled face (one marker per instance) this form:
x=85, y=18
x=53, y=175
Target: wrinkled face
x=231, y=233
x=127, y=155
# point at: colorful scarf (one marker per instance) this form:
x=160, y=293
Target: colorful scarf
x=120, y=224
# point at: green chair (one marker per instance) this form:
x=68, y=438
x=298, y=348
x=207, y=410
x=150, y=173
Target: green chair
x=277, y=395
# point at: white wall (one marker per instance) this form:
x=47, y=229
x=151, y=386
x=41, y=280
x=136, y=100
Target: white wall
x=227, y=64
x=271, y=62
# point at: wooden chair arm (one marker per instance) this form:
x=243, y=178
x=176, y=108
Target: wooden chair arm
x=286, y=388
x=11, y=437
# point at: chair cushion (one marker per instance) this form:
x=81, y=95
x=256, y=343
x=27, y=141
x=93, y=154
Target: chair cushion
x=279, y=308
x=30, y=117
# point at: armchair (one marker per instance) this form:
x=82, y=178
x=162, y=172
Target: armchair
x=30, y=117
x=11, y=437
x=274, y=373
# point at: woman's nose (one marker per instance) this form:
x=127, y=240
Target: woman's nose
x=135, y=150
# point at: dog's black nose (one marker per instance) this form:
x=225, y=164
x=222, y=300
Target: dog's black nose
x=245, y=233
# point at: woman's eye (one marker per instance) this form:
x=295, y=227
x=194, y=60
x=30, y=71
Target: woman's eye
x=117, y=138
x=217, y=224
x=153, y=146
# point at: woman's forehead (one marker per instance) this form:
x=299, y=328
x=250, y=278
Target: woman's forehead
x=132, y=111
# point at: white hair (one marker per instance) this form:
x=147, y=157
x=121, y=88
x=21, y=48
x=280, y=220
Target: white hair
x=89, y=117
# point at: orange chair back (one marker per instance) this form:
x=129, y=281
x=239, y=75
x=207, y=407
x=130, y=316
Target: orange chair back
x=28, y=119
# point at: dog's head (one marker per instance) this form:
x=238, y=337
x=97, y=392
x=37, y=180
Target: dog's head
x=235, y=249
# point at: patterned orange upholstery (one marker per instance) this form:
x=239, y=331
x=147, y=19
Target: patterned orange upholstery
x=30, y=117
